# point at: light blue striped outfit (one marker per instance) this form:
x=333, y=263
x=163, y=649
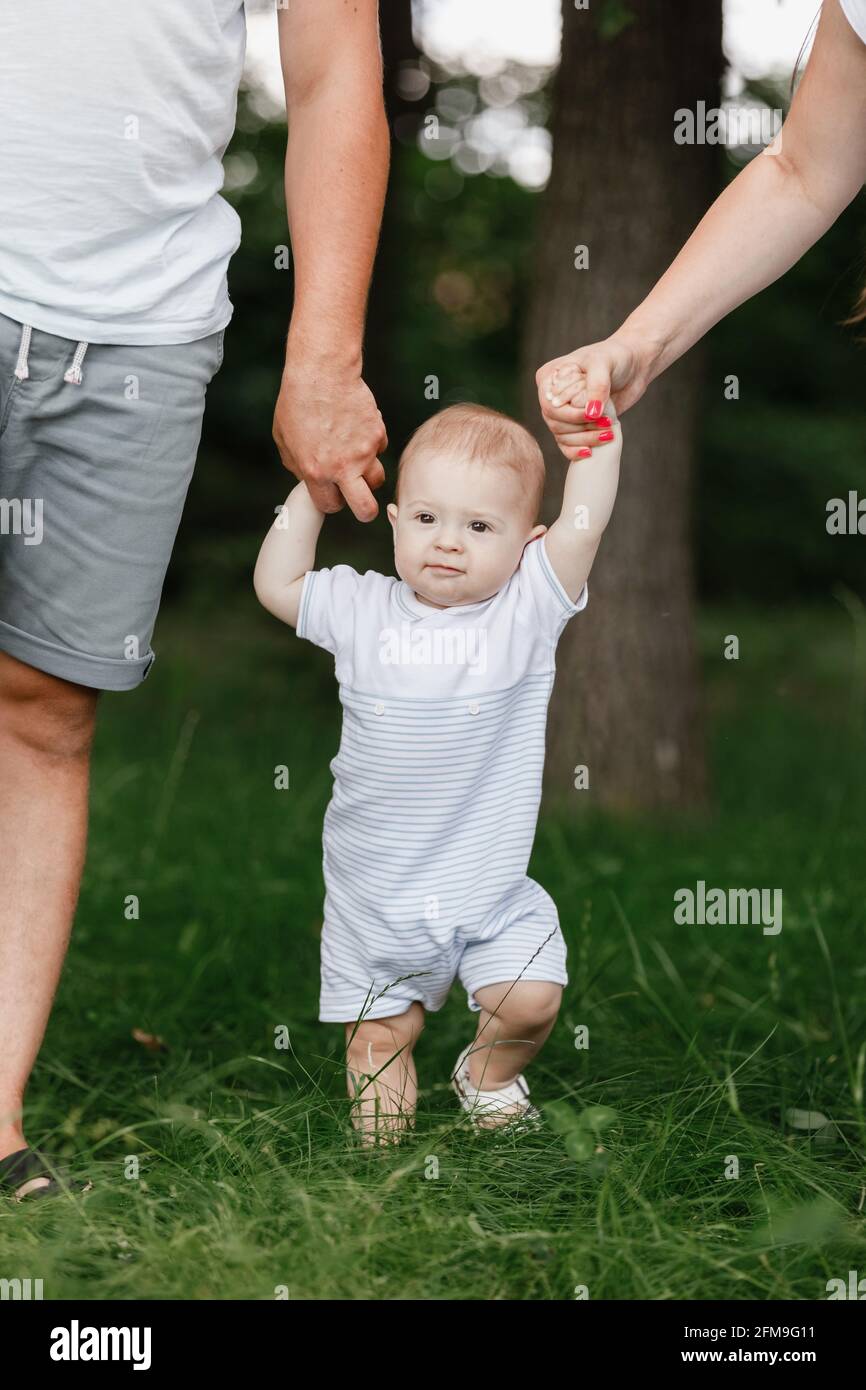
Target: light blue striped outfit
x=437, y=784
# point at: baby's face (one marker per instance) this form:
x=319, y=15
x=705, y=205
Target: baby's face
x=460, y=528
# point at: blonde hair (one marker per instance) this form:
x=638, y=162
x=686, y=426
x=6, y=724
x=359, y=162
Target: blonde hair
x=481, y=435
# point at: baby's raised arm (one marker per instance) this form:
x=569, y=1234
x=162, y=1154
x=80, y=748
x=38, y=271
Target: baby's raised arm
x=590, y=491
x=288, y=551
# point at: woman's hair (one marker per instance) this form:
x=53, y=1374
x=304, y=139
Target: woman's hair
x=858, y=314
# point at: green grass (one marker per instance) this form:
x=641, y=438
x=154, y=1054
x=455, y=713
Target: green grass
x=702, y=1039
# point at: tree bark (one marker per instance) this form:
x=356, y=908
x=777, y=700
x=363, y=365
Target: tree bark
x=381, y=367
x=627, y=700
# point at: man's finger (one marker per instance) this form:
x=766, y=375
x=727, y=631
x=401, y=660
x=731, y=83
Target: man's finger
x=325, y=496
x=374, y=474
x=360, y=499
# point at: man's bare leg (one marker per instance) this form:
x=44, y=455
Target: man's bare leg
x=46, y=731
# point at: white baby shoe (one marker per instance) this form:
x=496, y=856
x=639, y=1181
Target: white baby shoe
x=484, y=1106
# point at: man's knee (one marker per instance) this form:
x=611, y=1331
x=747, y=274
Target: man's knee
x=52, y=717
x=381, y=1038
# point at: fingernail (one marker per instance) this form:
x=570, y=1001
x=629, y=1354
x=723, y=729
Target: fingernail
x=593, y=409
x=603, y=420
x=584, y=453
x=606, y=437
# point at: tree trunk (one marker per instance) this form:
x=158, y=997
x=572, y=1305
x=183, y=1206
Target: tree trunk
x=381, y=367
x=627, y=701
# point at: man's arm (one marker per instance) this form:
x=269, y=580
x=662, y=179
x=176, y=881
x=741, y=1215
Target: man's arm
x=587, y=503
x=287, y=552
x=326, y=423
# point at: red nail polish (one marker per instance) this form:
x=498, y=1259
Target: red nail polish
x=584, y=453
x=603, y=420
x=593, y=410
x=606, y=437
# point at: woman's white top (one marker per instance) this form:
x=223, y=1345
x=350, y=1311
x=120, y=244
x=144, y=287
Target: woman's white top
x=855, y=13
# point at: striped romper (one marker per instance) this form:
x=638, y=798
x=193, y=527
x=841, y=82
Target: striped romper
x=437, y=784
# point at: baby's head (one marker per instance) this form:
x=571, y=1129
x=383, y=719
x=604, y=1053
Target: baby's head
x=469, y=487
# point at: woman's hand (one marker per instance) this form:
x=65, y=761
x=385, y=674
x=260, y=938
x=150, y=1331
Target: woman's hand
x=574, y=391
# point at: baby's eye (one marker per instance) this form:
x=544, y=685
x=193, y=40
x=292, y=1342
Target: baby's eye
x=482, y=524
x=425, y=517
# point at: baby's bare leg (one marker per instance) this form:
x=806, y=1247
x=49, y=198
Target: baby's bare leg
x=381, y=1075
x=514, y=1022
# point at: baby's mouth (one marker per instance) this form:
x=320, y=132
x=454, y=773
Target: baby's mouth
x=445, y=569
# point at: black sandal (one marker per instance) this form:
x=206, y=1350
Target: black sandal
x=21, y=1170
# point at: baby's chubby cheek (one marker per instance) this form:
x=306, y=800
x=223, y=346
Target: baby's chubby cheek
x=407, y=560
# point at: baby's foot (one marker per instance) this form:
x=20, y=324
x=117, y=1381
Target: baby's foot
x=495, y=1107
x=377, y=1126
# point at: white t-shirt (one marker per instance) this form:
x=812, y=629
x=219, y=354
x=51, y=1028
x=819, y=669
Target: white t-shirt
x=855, y=12
x=437, y=781
x=114, y=116
x=367, y=620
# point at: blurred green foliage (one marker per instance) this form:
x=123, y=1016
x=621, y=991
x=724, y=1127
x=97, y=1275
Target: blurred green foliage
x=796, y=437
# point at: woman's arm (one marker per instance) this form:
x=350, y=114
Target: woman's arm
x=764, y=221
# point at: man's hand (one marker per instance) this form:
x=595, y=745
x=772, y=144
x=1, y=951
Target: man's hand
x=329, y=432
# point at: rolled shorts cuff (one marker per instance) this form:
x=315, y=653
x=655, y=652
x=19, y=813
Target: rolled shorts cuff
x=548, y=975
x=395, y=1004
x=98, y=672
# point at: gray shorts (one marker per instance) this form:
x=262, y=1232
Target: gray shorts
x=97, y=448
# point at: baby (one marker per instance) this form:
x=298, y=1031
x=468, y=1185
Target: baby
x=445, y=675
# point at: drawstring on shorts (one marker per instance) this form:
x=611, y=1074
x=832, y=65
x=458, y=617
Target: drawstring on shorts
x=73, y=375
x=24, y=347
